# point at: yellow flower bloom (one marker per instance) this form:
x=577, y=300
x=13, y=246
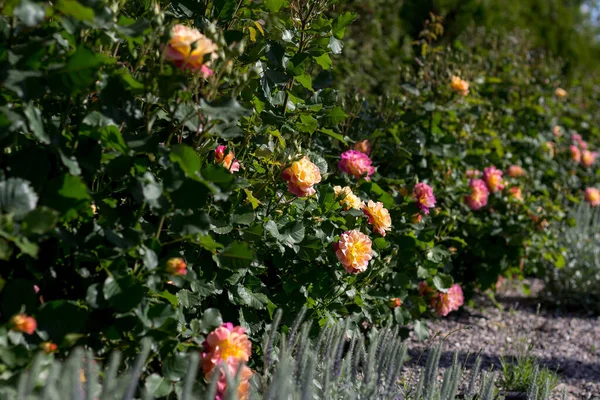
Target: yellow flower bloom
x=348, y=199
x=560, y=92
x=187, y=48
x=354, y=251
x=301, y=176
x=460, y=86
x=378, y=216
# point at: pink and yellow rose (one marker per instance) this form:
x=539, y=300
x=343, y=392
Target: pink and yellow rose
x=188, y=48
x=493, y=178
x=460, y=86
x=378, y=216
x=301, y=176
x=357, y=164
x=228, y=347
x=515, y=171
x=560, y=92
x=479, y=194
x=592, y=196
x=228, y=161
x=176, y=266
x=575, y=153
x=516, y=193
x=347, y=198
x=354, y=250
x=588, y=158
x=23, y=323
x=423, y=194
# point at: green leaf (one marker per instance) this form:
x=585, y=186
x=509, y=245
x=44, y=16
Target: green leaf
x=39, y=221
x=442, y=282
x=17, y=197
x=75, y=9
x=243, y=216
x=187, y=159
x=292, y=233
x=305, y=80
x=67, y=194
x=437, y=254
x=275, y=5
x=82, y=69
x=248, y=298
x=335, y=45
x=236, y=255
x=36, y=125
x=341, y=22
x=123, y=293
x=157, y=386
x=188, y=299
x=335, y=116
x=324, y=61
x=334, y=135
x=211, y=318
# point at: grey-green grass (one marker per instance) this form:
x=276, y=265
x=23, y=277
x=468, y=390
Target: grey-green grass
x=340, y=364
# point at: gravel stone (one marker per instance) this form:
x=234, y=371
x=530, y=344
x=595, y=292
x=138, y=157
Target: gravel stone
x=563, y=340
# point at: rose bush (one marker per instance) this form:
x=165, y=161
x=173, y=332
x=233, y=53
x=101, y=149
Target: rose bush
x=168, y=165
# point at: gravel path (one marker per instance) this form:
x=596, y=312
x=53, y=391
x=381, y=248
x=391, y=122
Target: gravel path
x=566, y=341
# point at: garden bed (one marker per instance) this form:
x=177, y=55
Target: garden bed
x=565, y=341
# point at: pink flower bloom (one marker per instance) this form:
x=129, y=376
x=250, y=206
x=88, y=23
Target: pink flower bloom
x=220, y=153
x=354, y=251
x=516, y=193
x=473, y=173
x=515, y=171
x=479, y=194
x=423, y=194
x=301, y=176
x=364, y=146
x=444, y=303
x=187, y=48
x=226, y=344
x=493, y=178
x=355, y=163
x=575, y=153
x=228, y=161
x=592, y=196
x=576, y=138
x=205, y=71
x=588, y=158
x=378, y=216
x=243, y=389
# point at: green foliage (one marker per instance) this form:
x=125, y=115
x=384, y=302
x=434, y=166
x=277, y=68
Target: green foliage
x=521, y=373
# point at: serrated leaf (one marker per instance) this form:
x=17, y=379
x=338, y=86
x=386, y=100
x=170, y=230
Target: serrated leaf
x=17, y=197
x=254, y=300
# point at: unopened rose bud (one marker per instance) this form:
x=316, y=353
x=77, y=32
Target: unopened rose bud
x=394, y=303
x=417, y=218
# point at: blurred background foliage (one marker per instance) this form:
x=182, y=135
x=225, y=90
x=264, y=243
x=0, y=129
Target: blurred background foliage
x=381, y=40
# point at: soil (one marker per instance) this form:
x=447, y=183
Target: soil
x=566, y=341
